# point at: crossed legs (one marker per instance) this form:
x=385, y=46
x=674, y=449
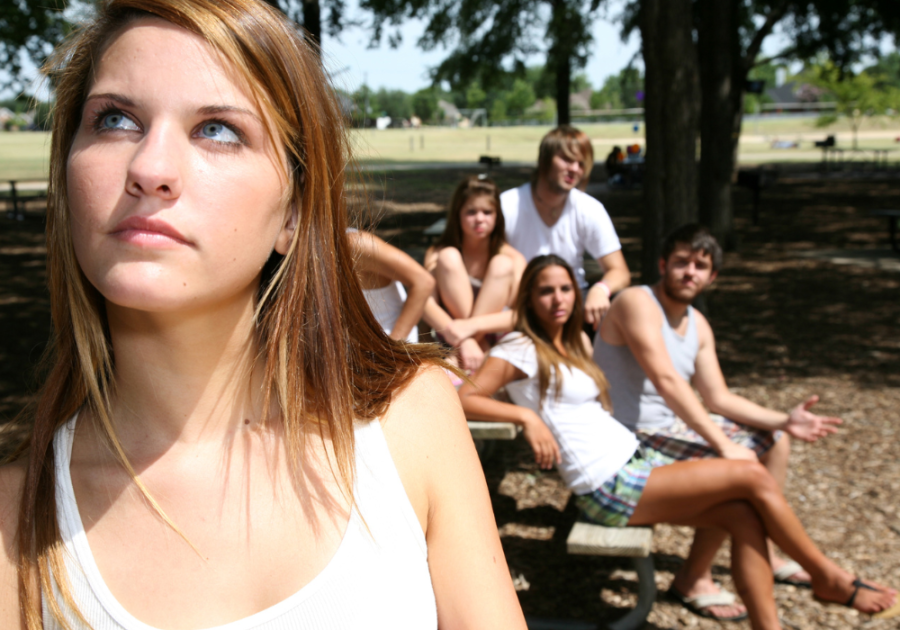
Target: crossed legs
x=743, y=499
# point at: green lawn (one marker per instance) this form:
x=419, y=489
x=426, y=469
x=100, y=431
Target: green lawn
x=23, y=155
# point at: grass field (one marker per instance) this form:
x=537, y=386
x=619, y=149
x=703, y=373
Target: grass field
x=23, y=155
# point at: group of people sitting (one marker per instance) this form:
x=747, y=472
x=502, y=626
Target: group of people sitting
x=604, y=389
x=226, y=437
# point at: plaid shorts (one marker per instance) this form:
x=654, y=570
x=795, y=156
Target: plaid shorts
x=679, y=442
x=613, y=503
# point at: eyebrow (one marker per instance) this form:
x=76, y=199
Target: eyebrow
x=207, y=110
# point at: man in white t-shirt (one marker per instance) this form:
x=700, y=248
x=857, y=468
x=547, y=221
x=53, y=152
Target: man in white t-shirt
x=550, y=215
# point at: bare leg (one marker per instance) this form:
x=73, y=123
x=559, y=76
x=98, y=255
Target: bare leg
x=453, y=284
x=695, y=575
x=497, y=286
x=683, y=491
x=776, y=462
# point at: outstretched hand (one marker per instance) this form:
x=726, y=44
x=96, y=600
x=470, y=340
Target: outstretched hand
x=546, y=450
x=471, y=356
x=807, y=426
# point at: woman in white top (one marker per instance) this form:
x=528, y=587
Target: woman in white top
x=396, y=286
x=563, y=407
x=226, y=437
x=476, y=270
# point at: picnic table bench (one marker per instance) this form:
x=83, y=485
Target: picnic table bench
x=893, y=216
x=622, y=542
x=19, y=195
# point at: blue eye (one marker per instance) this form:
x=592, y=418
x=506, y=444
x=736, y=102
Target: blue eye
x=219, y=132
x=117, y=120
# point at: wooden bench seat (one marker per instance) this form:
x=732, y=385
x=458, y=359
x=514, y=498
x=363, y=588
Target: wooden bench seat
x=626, y=542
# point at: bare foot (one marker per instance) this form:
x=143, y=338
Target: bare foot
x=869, y=600
x=705, y=586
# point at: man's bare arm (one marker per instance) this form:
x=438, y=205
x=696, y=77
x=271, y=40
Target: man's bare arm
x=616, y=277
x=638, y=322
x=710, y=382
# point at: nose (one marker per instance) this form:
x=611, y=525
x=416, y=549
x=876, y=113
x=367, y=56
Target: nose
x=154, y=170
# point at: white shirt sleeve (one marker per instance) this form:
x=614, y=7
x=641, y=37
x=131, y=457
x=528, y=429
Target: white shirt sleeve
x=595, y=227
x=517, y=350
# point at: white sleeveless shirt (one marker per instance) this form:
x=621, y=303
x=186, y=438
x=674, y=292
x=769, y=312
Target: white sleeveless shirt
x=377, y=579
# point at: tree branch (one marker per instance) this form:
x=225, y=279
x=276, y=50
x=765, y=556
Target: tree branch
x=774, y=16
x=784, y=54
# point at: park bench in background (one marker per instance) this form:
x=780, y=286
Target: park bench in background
x=756, y=179
x=19, y=192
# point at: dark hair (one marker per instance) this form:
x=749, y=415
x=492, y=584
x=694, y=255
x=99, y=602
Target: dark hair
x=548, y=357
x=700, y=240
x=473, y=186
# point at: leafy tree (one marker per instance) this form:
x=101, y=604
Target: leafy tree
x=28, y=29
x=475, y=96
x=393, y=103
x=580, y=83
x=620, y=90
x=856, y=96
x=489, y=38
x=425, y=104
x=520, y=98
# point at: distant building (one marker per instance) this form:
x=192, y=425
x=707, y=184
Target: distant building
x=581, y=100
x=450, y=113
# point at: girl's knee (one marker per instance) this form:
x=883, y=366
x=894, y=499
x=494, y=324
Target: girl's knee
x=741, y=516
x=500, y=266
x=450, y=258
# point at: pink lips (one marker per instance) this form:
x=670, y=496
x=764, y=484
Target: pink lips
x=148, y=231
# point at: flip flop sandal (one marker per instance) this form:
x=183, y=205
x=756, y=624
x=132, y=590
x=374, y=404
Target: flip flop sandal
x=888, y=613
x=784, y=573
x=699, y=604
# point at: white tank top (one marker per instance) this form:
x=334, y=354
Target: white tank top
x=386, y=304
x=377, y=579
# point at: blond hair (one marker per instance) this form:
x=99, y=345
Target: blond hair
x=570, y=142
x=324, y=375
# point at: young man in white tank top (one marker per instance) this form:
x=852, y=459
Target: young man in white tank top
x=653, y=347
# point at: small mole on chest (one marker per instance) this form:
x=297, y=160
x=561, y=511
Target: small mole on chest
x=246, y=420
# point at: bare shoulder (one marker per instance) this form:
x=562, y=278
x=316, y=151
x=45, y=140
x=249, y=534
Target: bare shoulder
x=428, y=437
x=12, y=481
x=634, y=304
x=512, y=252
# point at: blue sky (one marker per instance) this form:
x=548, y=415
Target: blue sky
x=406, y=67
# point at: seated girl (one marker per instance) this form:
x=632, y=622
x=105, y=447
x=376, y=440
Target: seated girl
x=226, y=438
x=476, y=270
x=563, y=406
x=386, y=274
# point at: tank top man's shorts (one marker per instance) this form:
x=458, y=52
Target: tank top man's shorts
x=639, y=406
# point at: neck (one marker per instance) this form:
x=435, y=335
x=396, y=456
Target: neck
x=548, y=201
x=555, y=334
x=188, y=378
x=674, y=309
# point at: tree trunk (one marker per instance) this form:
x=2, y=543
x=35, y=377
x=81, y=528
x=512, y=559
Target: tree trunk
x=312, y=22
x=563, y=83
x=722, y=78
x=670, y=113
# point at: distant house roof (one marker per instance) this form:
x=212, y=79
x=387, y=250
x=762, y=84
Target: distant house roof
x=794, y=92
x=581, y=100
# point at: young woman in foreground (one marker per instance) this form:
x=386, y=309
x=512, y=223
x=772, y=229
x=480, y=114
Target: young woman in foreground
x=476, y=270
x=560, y=396
x=226, y=436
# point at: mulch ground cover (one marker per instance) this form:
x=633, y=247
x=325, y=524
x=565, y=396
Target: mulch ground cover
x=808, y=304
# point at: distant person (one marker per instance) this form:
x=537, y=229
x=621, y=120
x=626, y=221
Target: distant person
x=614, y=169
x=476, y=271
x=562, y=404
x=396, y=287
x=653, y=346
x=551, y=215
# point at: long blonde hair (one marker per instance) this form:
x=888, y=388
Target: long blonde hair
x=327, y=361
x=548, y=357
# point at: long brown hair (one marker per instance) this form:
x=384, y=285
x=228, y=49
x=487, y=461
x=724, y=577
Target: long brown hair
x=325, y=376
x=548, y=357
x=473, y=186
